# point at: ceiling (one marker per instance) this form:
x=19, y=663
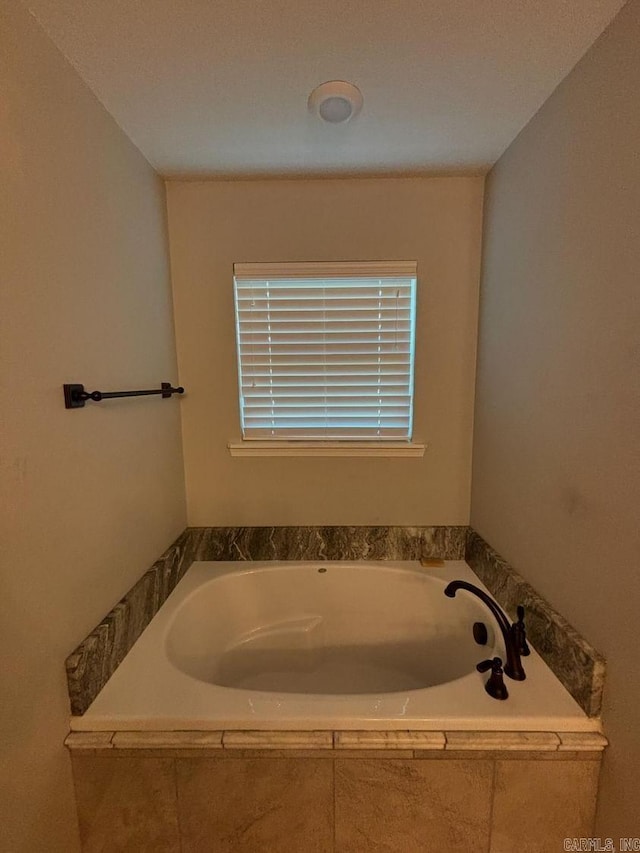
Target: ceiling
x=220, y=87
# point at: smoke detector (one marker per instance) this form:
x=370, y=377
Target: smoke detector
x=336, y=101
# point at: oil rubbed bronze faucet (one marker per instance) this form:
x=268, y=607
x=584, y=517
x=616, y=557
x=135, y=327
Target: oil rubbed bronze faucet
x=515, y=637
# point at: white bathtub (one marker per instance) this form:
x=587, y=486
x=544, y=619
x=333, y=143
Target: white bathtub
x=323, y=645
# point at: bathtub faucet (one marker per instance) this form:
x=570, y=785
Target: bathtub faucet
x=514, y=634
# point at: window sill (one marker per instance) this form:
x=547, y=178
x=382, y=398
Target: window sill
x=326, y=448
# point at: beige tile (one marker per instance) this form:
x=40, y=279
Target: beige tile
x=386, y=753
x=582, y=741
x=544, y=741
x=88, y=740
x=274, y=805
x=324, y=754
x=202, y=752
x=579, y=755
x=168, y=740
x=453, y=755
x=504, y=755
x=272, y=752
x=277, y=740
x=389, y=740
x=401, y=806
x=151, y=752
x=537, y=804
x=126, y=804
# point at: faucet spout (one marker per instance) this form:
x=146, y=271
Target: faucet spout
x=513, y=667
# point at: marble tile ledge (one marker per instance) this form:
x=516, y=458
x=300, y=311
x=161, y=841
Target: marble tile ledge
x=408, y=741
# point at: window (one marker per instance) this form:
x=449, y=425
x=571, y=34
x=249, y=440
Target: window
x=326, y=351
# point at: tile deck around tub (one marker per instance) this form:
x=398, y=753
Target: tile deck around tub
x=507, y=741
x=339, y=743
x=89, y=740
x=388, y=740
x=581, y=741
x=167, y=740
x=277, y=740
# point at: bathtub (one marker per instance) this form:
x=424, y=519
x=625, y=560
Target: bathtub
x=323, y=645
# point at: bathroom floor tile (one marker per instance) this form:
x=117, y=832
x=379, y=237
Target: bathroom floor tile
x=126, y=804
x=399, y=806
x=537, y=804
x=256, y=805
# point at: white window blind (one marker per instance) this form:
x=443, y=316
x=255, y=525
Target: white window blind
x=326, y=351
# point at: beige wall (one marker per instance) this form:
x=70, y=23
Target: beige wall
x=90, y=497
x=435, y=221
x=556, y=474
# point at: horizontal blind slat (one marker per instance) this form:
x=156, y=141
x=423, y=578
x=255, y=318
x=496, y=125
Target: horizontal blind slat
x=368, y=389
x=332, y=364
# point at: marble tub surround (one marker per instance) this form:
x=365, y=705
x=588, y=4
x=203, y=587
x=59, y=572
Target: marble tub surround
x=322, y=645
x=328, y=543
x=94, y=661
x=579, y=667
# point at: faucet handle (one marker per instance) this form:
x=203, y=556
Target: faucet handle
x=495, y=686
x=520, y=633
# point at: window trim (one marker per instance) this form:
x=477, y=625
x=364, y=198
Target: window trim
x=252, y=447
x=320, y=269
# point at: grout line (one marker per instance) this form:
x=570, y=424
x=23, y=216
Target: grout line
x=333, y=781
x=491, y=804
x=76, y=810
x=175, y=783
